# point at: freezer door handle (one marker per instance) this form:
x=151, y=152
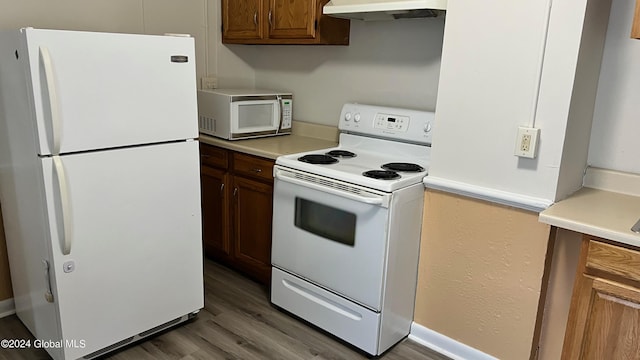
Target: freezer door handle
x=64, y=200
x=47, y=64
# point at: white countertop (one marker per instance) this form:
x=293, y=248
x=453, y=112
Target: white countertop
x=608, y=212
x=304, y=137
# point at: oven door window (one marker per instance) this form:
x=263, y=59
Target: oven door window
x=326, y=221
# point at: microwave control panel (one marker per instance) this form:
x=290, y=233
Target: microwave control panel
x=286, y=113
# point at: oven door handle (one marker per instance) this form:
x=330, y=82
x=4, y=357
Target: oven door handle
x=380, y=200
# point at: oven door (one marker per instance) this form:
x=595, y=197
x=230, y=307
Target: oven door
x=331, y=233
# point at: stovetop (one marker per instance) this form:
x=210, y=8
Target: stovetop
x=351, y=169
x=377, y=136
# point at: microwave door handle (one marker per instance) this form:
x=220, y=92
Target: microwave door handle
x=281, y=114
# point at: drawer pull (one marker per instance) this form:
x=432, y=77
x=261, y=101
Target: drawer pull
x=222, y=188
x=256, y=170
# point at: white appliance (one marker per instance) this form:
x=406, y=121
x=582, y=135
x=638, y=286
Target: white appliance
x=234, y=114
x=99, y=185
x=369, y=10
x=346, y=232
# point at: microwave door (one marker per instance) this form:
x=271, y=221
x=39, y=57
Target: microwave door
x=255, y=117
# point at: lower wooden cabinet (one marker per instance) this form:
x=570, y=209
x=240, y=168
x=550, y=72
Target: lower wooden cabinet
x=215, y=213
x=252, y=209
x=635, y=27
x=604, y=319
x=237, y=191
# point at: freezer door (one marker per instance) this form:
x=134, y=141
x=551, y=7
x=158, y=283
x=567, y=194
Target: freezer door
x=101, y=90
x=130, y=219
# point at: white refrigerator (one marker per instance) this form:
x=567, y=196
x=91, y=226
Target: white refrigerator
x=99, y=185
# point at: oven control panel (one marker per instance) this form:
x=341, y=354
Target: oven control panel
x=391, y=122
x=387, y=122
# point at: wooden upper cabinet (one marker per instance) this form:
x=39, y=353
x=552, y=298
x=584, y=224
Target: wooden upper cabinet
x=242, y=20
x=293, y=22
x=292, y=19
x=635, y=29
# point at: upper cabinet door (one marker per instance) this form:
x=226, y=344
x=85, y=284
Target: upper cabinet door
x=242, y=19
x=292, y=19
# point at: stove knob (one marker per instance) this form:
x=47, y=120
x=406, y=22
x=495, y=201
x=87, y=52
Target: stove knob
x=347, y=116
x=427, y=127
x=356, y=117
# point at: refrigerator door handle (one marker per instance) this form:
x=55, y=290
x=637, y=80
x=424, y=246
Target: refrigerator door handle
x=48, y=294
x=64, y=200
x=47, y=64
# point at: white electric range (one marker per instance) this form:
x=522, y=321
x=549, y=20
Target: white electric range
x=346, y=227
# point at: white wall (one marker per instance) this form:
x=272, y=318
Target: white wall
x=492, y=69
x=392, y=63
x=199, y=18
x=125, y=16
x=616, y=122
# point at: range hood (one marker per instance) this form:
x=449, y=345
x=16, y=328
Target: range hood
x=384, y=9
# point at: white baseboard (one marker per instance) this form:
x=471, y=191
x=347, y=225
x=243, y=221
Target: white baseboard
x=7, y=307
x=445, y=345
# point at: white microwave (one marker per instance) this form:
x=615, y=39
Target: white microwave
x=234, y=114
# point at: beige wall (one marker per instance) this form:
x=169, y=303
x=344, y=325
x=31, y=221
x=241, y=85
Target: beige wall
x=481, y=274
x=5, y=281
x=390, y=63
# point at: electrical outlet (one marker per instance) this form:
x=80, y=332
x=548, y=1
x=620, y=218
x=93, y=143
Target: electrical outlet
x=209, y=82
x=527, y=142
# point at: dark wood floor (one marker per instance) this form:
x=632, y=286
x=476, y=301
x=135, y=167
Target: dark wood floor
x=238, y=322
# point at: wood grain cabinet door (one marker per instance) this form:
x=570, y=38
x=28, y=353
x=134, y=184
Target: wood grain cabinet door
x=604, y=318
x=252, y=216
x=607, y=322
x=215, y=214
x=635, y=28
x=292, y=19
x=242, y=20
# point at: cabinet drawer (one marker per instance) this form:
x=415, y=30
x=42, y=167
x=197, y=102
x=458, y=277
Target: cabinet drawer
x=252, y=166
x=614, y=260
x=214, y=156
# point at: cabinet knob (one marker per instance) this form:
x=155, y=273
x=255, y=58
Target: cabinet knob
x=222, y=188
x=256, y=170
x=235, y=192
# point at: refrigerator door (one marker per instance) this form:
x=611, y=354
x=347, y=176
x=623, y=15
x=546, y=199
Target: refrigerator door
x=100, y=90
x=131, y=218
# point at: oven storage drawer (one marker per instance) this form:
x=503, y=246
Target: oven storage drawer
x=334, y=314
